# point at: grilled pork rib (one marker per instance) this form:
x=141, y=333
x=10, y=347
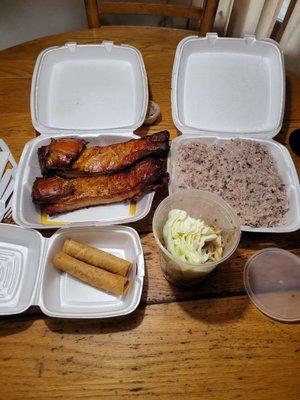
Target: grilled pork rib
x=146, y=175
x=50, y=190
x=104, y=160
x=60, y=153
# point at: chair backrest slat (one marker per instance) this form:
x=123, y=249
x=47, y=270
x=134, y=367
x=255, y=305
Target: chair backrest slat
x=209, y=13
x=205, y=15
x=92, y=13
x=165, y=10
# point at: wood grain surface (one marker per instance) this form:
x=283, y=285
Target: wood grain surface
x=209, y=349
x=208, y=343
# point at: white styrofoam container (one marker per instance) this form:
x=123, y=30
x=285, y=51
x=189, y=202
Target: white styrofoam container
x=97, y=92
x=28, y=214
x=223, y=88
x=27, y=276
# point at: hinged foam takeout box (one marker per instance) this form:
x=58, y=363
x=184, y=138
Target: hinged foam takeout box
x=97, y=92
x=228, y=87
x=27, y=276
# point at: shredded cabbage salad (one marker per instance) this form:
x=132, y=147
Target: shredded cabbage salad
x=191, y=240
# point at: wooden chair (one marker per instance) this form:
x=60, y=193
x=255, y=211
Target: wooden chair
x=205, y=15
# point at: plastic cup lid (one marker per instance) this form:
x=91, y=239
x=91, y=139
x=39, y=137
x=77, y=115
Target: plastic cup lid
x=272, y=281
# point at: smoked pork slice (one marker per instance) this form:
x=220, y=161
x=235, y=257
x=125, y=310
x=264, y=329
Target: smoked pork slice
x=97, y=160
x=143, y=177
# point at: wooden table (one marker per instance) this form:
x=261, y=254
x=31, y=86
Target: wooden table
x=208, y=343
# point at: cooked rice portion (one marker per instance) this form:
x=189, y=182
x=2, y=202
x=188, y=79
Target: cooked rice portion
x=242, y=172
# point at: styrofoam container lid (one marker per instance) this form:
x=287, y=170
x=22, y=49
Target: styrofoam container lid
x=20, y=255
x=8, y=169
x=228, y=85
x=89, y=88
x=272, y=281
x=27, y=276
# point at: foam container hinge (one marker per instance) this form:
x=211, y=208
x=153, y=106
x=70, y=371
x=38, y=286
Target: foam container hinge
x=27, y=276
x=97, y=92
x=223, y=88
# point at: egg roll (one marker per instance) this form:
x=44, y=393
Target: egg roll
x=96, y=257
x=97, y=277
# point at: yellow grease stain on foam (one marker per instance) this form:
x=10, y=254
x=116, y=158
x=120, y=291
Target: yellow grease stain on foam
x=46, y=221
x=132, y=208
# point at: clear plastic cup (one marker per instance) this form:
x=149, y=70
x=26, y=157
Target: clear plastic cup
x=214, y=211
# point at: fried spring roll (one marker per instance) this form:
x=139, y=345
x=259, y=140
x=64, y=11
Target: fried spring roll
x=96, y=257
x=97, y=277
